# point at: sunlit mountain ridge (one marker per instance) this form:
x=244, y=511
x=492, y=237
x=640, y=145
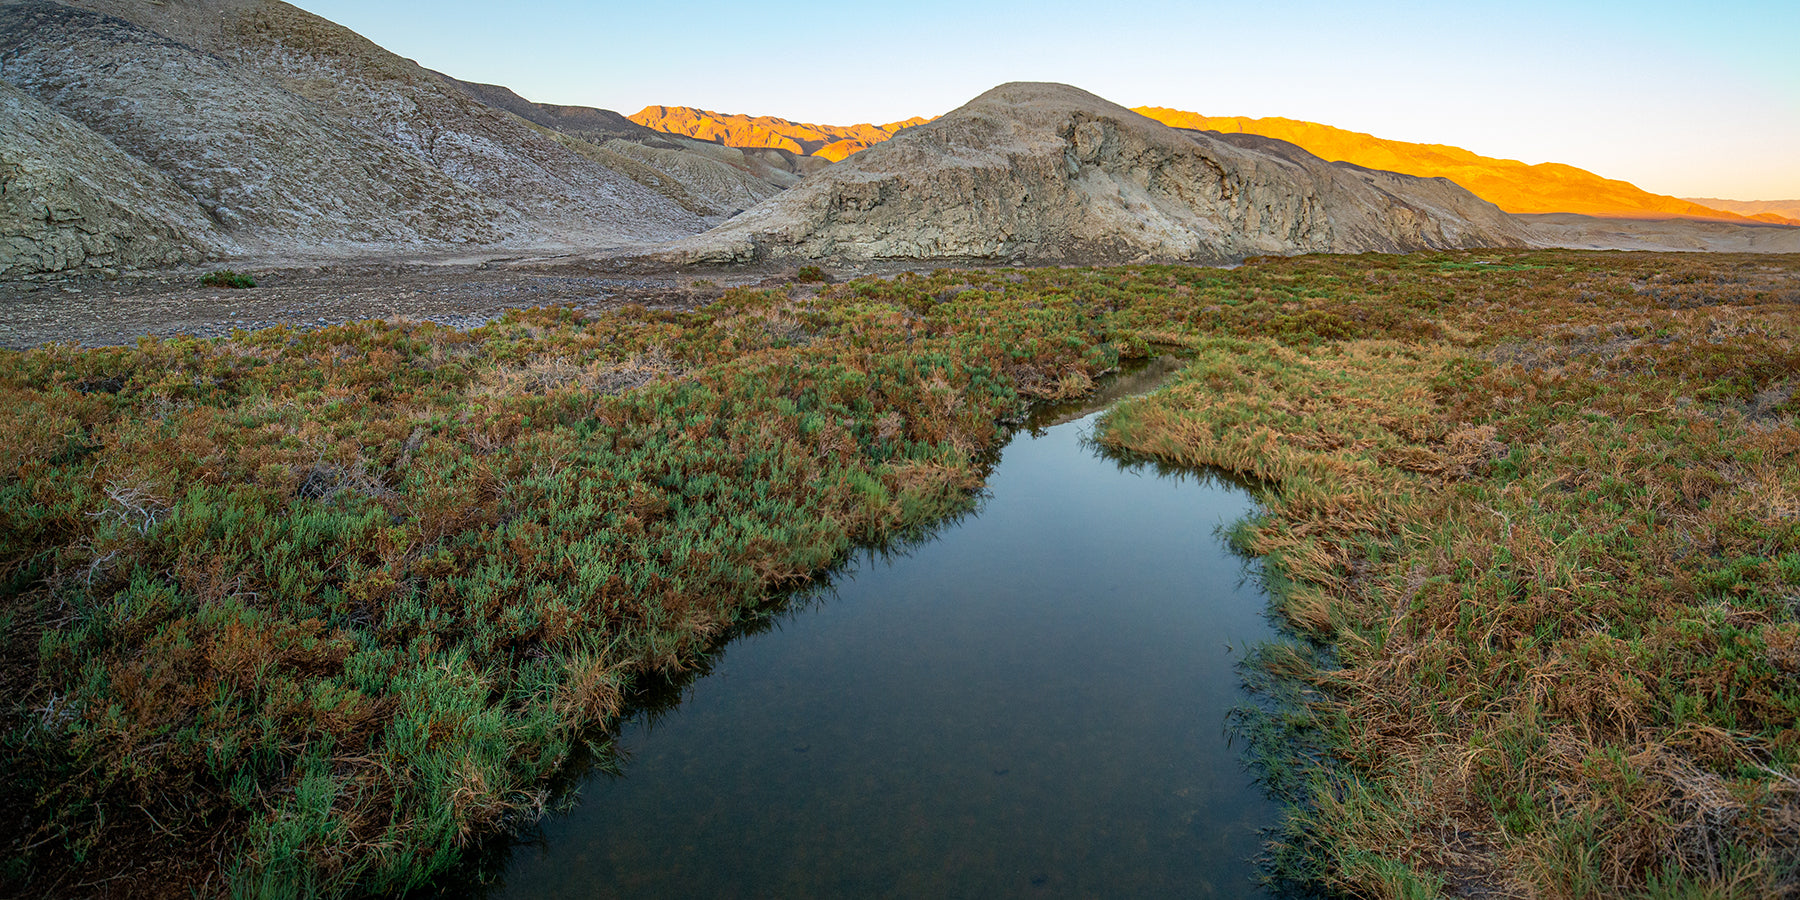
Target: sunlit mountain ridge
x=833, y=142
x=1514, y=186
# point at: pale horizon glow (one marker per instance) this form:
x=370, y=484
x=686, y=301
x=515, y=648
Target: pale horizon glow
x=1680, y=99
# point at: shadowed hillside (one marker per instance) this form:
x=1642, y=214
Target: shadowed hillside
x=142, y=133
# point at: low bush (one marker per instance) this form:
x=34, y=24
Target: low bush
x=225, y=278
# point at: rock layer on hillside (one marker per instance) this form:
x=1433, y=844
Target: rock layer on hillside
x=70, y=199
x=282, y=133
x=1032, y=172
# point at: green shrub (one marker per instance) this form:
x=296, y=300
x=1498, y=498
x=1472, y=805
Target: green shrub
x=225, y=278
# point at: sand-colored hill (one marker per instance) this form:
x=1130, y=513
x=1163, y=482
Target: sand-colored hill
x=832, y=142
x=1779, y=212
x=1044, y=173
x=1509, y=184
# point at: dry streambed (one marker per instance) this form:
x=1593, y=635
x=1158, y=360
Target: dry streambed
x=98, y=312
x=463, y=293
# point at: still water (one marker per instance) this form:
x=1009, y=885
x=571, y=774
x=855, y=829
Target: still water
x=1030, y=704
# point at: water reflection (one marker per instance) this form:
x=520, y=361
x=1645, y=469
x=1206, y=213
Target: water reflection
x=1032, y=705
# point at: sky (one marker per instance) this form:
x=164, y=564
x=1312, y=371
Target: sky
x=1689, y=99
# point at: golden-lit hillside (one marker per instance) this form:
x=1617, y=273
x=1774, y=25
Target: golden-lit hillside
x=833, y=142
x=1509, y=184
x=1781, y=212
x=1512, y=185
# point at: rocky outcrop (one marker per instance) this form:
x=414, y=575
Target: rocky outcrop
x=69, y=199
x=1045, y=173
x=286, y=134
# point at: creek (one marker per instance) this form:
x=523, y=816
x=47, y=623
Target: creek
x=1030, y=703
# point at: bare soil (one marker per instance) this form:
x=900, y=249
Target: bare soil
x=463, y=292
x=461, y=289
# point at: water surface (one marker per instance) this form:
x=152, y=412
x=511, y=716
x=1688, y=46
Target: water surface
x=1032, y=704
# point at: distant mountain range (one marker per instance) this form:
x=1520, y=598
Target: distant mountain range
x=1509, y=184
x=832, y=142
x=1781, y=212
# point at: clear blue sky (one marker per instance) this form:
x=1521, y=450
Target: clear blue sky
x=1691, y=99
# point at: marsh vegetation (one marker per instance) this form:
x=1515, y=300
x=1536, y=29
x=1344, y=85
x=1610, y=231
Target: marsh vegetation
x=1028, y=703
x=310, y=612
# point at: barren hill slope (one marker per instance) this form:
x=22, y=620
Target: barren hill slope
x=291, y=134
x=70, y=196
x=265, y=165
x=707, y=178
x=1034, y=172
x=1509, y=184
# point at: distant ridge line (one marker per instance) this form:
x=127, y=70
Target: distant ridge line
x=1509, y=184
x=832, y=142
x=1780, y=212
x=1512, y=185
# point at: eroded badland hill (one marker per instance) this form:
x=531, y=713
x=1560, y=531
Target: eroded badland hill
x=1033, y=172
x=141, y=134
